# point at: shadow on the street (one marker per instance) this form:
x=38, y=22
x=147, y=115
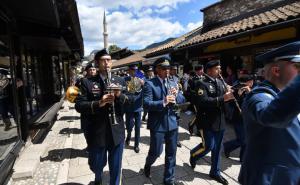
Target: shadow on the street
x=183, y=136
x=65, y=118
x=70, y=131
x=59, y=155
x=157, y=174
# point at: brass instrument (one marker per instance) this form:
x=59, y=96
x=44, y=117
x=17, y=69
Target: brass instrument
x=134, y=85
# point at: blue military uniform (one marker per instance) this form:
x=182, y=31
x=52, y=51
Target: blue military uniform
x=210, y=120
x=102, y=136
x=161, y=123
x=150, y=69
x=272, y=128
x=133, y=111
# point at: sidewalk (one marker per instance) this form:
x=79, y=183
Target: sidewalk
x=65, y=159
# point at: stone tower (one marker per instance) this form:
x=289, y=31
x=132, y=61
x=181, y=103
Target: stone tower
x=105, y=33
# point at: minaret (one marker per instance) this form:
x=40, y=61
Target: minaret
x=105, y=34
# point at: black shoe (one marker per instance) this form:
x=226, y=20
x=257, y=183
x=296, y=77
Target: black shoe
x=144, y=118
x=127, y=141
x=192, y=162
x=136, y=149
x=147, y=171
x=219, y=179
x=179, y=144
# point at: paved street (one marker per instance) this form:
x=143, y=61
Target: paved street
x=65, y=159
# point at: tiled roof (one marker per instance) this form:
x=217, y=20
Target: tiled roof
x=281, y=14
x=173, y=43
x=137, y=57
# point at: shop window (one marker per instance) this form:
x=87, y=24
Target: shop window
x=31, y=86
x=8, y=122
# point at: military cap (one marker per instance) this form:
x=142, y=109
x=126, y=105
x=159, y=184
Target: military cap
x=162, y=61
x=101, y=53
x=198, y=67
x=174, y=67
x=244, y=75
x=90, y=65
x=212, y=63
x=133, y=67
x=150, y=68
x=289, y=52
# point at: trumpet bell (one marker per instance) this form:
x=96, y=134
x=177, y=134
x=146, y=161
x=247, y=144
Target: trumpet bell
x=72, y=93
x=134, y=85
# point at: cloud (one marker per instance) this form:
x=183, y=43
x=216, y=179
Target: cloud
x=125, y=28
x=193, y=25
x=131, y=4
x=164, y=10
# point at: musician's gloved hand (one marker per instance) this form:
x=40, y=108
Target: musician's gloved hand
x=228, y=96
x=107, y=98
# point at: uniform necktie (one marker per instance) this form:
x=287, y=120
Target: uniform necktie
x=165, y=86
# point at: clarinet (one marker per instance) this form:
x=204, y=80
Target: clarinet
x=169, y=93
x=111, y=108
x=226, y=89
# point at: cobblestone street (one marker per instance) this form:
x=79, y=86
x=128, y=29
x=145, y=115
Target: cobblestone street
x=65, y=158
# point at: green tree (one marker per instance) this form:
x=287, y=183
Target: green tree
x=113, y=48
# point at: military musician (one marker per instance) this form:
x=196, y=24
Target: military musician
x=133, y=111
x=104, y=120
x=160, y=101
x=209, y=99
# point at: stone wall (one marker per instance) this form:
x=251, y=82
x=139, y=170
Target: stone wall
x=228, y=9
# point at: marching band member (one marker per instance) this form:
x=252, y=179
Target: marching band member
x=104, y=135
x=162, y=119
x=133, y=111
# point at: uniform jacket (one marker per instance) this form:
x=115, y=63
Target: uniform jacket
x=191, y=86
x=210, y=104
x=272, y=126
x=137, y=99
x=99, y=130
x=160, y=118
